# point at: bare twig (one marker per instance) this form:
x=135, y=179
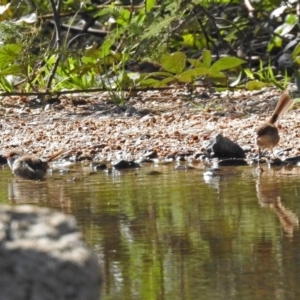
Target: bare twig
x=212, y=20
x=83, y=91
x=56, y=13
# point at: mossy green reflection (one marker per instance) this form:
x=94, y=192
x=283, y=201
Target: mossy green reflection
x=175, y=236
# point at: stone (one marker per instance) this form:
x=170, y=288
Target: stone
x=3, y=159
x=233, y=162
x=222, y=147
x=43, y=257
x=125, y=164
x=293, y=160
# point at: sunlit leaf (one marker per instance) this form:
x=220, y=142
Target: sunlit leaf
x=51, y=60
x=296, y=51
x=165, y=81
x=270, y=72
x=255, y=85
x=174, y=63
x=291, y=19
x=297, y=61
x=158, y=74
x=277, y=41
x=188, y=40
x=123, y=17
x=149, y=4
x=157, y=83
x=13, y=69
x=226, y=63
x=195, y=62
x=192, y=74
x=150, y=82
x=103, y=11
x=8, y=54
x=270, y=46
x=206, y=57
x=5, y=84
x=248, y=73
x=105, y=48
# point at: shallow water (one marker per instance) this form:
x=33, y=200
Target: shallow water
x=180, y=235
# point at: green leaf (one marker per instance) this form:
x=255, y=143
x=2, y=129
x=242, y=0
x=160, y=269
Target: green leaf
x=249, y=73
x=270, y=46
x=255, y=85
x=158, y=74
x=156, y=83
x=9, y=54
x=291, y=19
x=225, y=63
x=192, y=74
x=218, y=77
x=13, y=69
x=103, y=11
x=149, y=4
x=188, y=40
x=165, y=81
x=270, y=72
x=206, y=57
x=174, y=63
x=297, y=61
x=124, y=16
x=5, y=84
x=149, y=82
x=277, y=41
x=195, y=62
x=296, y=51
x=87, y=59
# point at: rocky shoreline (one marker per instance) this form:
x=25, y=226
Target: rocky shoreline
x=169, y=123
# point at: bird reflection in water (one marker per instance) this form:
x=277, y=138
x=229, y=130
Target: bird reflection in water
x=269, y=195
x=39, y=193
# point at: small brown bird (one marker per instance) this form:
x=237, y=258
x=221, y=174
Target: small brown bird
x=28, y=166
x=267, y=133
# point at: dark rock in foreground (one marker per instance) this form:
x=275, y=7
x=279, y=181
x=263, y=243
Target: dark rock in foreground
x=42, y=256
x=124, y=164
x=222, y=147
x=293, y=160
x=233, y=162
x=3, y=159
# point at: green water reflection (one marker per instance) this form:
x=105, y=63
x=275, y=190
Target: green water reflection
x=179, y=235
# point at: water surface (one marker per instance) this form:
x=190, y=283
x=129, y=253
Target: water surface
x=180, y=235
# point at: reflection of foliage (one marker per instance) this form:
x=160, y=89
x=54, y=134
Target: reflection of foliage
x=222, y=30
x=164, y=235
